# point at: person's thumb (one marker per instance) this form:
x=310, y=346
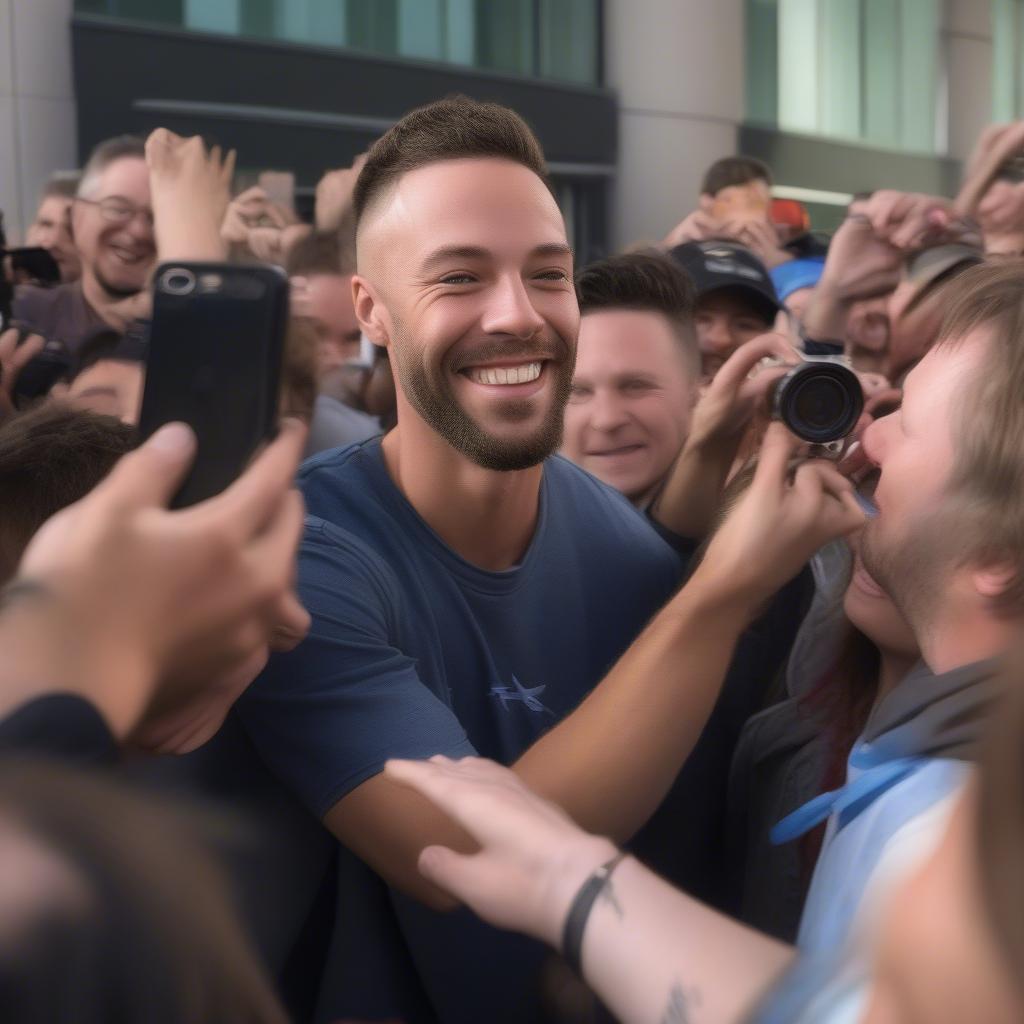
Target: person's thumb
x=152, y=474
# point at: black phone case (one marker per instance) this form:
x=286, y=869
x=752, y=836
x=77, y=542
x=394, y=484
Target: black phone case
x=214, y=363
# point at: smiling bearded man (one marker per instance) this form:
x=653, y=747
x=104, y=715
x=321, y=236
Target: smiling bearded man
x=471, y=591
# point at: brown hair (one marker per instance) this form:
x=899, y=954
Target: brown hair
x=986, y=489
x=319, y=252
x=645, y=281
x=51, y=457
x=121, y=147
x=734, y=170
x=299, y=370
x=454, y=128
x=143, y=930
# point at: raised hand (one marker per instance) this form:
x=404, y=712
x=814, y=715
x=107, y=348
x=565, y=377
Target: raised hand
x=334, y=194
x=191, y=192
x=778, y=523
x=172, y=611
x=532, y=857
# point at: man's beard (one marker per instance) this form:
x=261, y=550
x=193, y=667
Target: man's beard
x=911, y=570
x=115, y=291
x=430, y=393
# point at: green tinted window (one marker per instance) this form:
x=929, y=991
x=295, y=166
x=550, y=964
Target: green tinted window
x=540, y=38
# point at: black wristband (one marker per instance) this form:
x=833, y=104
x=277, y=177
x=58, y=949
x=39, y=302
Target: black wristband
x=579, y=912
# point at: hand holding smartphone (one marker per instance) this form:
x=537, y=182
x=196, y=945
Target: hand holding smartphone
x=215, y=352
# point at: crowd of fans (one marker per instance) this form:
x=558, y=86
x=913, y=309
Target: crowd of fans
x=560, y=682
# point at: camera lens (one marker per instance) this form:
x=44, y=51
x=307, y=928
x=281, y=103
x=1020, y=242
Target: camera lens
x=820, y=402
x=177, y=281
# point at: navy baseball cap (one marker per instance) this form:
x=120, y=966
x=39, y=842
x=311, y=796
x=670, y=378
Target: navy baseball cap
x=716, y=265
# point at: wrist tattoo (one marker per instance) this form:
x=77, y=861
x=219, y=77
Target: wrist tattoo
x=680, y=1005
x=608, y=896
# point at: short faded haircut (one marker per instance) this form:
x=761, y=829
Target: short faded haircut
x=455, y=128
x=649, y=282
x=734, y=170
x=121, y=147
x=986, y=488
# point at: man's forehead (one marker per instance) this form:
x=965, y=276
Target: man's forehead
x=126, y=172
x=469, y=203
x=946, y=366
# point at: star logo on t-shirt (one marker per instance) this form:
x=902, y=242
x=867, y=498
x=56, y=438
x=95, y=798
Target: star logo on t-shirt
x=517, y=692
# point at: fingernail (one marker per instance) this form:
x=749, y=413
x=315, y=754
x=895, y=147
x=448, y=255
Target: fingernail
x=174, y=438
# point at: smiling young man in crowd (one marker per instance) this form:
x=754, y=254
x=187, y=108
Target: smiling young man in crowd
x=473, y=592
x=112, y=226
x=637, y=372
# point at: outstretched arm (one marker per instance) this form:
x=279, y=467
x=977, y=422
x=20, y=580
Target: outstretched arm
x=652, y=953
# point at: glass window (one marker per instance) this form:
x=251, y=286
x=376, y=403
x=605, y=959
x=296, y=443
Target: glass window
x=1007, y=53
x=849, y=69
x=556, y=39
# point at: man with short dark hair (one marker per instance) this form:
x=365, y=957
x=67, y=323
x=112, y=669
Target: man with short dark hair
x=49, y=458
x=637, y=372
x=470, y=590
x=736, y=299
x=112, y=226
x=736, y=185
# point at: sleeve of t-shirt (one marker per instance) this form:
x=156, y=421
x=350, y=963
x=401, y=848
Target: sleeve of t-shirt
x=327, y=715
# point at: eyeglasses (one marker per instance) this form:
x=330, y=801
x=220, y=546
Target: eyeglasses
x=116, y=210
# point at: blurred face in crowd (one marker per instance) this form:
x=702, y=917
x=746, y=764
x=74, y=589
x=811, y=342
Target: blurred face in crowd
x=466, y=277
x=114, y=228
x=110, y=387
x=903, y=547
x=632, y=397
x=328, y=304
x=750, y=201
x=914, y=328
x=938, y=959
x=52, y=231
x=726, y=319
x=867, y=333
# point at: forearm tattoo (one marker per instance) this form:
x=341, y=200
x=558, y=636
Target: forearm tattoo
x=680, y=1005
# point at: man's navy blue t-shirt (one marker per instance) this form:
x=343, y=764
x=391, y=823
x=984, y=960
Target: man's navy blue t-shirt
x=413, y=652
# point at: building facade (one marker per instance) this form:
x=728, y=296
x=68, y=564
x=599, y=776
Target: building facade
x=632, y=99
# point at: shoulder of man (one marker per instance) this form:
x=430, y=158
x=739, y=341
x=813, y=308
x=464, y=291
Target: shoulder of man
x=605, y=512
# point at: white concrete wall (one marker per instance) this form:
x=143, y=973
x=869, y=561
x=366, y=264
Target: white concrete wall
x=678, y=67
x=967, y=38
x=37, y=110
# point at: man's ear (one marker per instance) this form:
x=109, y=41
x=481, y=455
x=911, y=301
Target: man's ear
x=370, y=311
x=705, y=202
x=993, y=581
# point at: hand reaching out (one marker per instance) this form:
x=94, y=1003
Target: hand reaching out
x=778, y=523
x=532, y=857
x=334, y=194
x=191, y=191
x=172, y=610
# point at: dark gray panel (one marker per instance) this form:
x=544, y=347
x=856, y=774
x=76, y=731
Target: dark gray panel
x=838, y=167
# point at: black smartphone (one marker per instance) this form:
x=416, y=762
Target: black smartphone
x=214, y=362
x=34, y=263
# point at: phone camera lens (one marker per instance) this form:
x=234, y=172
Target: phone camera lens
x=178, y=281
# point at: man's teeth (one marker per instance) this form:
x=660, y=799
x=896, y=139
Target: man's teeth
x=505, y=374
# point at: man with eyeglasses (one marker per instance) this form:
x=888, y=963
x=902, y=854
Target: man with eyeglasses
x=112, y=227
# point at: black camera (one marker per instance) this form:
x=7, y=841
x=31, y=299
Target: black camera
x=819, y=401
